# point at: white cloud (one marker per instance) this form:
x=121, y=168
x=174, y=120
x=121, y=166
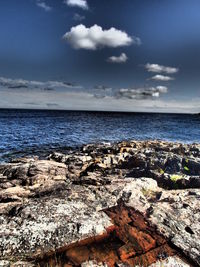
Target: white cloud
x=162, y=89
x=81, y=37
x=120, y=59
x=141, y=93
x=77, y=3
x=44, y=6
x=163, y=78
x=78, y=17
x=160, y=69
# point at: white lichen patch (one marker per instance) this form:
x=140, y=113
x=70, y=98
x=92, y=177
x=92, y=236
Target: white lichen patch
x=171, y=262
x=56, y=224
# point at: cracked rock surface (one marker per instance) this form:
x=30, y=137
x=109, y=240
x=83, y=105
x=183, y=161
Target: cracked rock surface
x=78, y=202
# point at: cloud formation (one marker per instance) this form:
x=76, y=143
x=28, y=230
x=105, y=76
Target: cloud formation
x=98, y=91
x=77, y=3
x=102, y=87
x=43, y=5
x=142, y=93
x=163, y=78
x=160, y=69
x=46, y=86
x=120, y=59
x=81, y=37
x=102, y=91
x=137, y=100
x=78, y=17
x=162, y=89
x=86, y=101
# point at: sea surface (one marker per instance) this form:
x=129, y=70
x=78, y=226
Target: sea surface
x=34, y=132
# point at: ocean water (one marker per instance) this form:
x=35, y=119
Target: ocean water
x=32, y=132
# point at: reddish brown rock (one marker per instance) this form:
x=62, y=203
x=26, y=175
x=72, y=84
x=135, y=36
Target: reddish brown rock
x=151, y=257
x=126, y=251
x=123, y=244
x=78, y=255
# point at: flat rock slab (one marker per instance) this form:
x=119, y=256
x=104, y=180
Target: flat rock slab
x=133, y=241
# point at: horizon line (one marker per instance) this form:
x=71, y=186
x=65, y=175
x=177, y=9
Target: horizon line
x=101, y=111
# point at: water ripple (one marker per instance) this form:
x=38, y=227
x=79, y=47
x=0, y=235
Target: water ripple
x=24, y=132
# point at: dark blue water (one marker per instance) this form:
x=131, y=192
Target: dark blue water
x=28, y=132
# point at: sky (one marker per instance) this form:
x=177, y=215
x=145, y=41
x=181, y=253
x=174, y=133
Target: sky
x=109, y=55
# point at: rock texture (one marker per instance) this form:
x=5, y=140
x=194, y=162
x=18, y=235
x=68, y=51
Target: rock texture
x=125, y=204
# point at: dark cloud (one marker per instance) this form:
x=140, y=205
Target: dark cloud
x=48, y=89
x=17, y=86
x=32, y=103
x=51, y=105
x=46, y=86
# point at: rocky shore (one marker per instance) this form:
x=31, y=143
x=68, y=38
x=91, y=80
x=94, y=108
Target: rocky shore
x=126, y=204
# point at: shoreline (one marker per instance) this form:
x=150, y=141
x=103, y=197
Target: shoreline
x=101, y=111
x=43, y=153
x=64, y=209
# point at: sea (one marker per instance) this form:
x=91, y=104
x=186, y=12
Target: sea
x=40, y=132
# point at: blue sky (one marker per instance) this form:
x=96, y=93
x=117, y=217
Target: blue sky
x=142, y=55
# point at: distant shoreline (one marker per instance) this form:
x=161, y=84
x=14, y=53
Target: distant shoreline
x=99, y=111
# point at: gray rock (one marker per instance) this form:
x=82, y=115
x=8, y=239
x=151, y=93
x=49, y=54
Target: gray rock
x=191, y=167
x=173, y=164
x=171, y=262
x=46, y=205
x=93, y=264
x=4, y=263
x=22, y=264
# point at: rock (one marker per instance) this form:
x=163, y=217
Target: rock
x=173, y=164
x=78, y=255
x=22, y=264
x=103, y=205
x=93, y=264
x=14, y=193
x=191, y=167
x=4, y=263
x=176, y=215
x=188, y=182
x=150, y=257
x=171, y=262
